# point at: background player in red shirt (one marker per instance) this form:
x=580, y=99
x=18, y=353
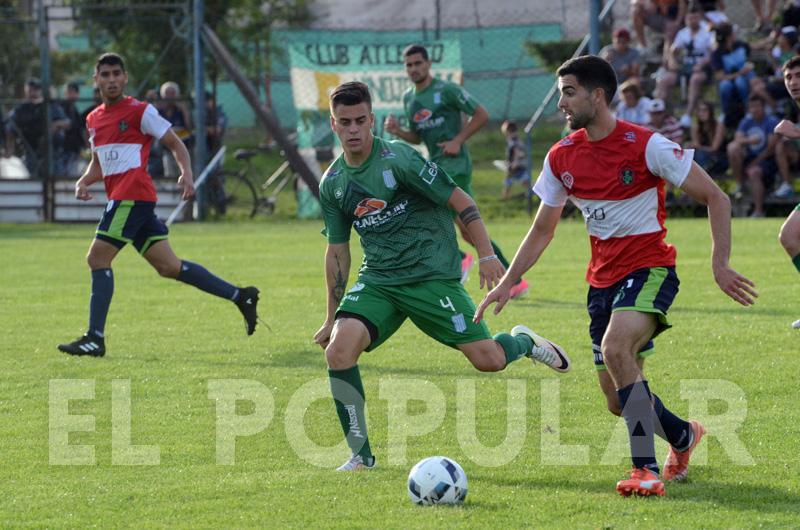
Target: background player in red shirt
x=615, y=172
x=121, y=131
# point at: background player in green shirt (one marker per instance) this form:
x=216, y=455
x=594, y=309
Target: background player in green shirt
x=400, y=206
x=433, y=108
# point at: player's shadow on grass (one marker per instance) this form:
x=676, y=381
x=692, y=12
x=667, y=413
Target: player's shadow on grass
x=699, y=489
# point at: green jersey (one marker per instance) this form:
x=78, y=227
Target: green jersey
x=397, y=202
x=434, y=114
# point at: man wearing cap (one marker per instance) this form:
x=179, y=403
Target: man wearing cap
x=26, y=126
x=664, y=123
x=624, y=59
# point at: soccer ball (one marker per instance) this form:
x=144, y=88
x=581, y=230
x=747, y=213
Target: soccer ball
x=437, y=480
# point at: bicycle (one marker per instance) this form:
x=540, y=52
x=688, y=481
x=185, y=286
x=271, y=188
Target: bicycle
x=237, y=194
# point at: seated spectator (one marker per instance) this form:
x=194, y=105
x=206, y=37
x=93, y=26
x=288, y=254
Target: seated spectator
x=74, y=137
x=662, y=16
x=216, y=124
x=752, y=152
x=790, y=16
x=733, y=71
x=689, y=58
x=763, y=16
x=708, y=139
x=633, y=107
x=175, y=112
x=516, y=160
x=664, y=123
x=623, y=58
x=787, y=157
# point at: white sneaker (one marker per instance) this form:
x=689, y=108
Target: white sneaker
x=544, y=351
x=796, y=324
x=784, y=191
x=686, y=121
x=357, y=463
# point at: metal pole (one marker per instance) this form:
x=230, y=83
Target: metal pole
x=594, y=27
x=199, y=104
x=46, y=170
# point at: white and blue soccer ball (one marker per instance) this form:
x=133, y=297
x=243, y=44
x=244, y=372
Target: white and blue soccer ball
x=437, y=480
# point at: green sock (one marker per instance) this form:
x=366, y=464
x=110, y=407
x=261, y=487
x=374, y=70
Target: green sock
x=348, y=396
x=499, y=254
x=514, y=347
x=796, y=261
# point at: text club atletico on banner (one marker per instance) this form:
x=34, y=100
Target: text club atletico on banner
x=317, y=68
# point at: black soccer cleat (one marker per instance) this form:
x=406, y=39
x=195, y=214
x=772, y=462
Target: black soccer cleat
x=247, y=302
x=86, y=345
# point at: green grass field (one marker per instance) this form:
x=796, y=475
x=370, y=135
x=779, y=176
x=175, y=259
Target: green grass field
x=733, y=367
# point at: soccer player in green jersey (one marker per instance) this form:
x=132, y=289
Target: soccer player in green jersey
x=433, y=108
x=399, y=204
x=790, y=231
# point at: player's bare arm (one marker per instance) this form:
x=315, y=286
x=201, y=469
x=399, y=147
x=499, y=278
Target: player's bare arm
x=491, y=270
x=476, y=122
x=699, y=186
x=171, y=141
x=92, y=174
x=531, y=248
x=788, y=129
x=337, y=270
x=392, y=126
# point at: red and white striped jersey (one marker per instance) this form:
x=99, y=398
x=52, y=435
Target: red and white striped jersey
x=618, y=185
x=120, y=136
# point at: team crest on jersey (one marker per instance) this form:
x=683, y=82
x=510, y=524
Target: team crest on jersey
x=630, y=136
x=626, y=176
x=566, y=141
x=422, y=115
x=567, y=179
x=369, y=206
x=388, y=154
x=678, y=152
x=338, y=193
x=123, y=126
x=388, y=179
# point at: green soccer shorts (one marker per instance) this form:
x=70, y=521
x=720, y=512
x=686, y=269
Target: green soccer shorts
x=441, y=309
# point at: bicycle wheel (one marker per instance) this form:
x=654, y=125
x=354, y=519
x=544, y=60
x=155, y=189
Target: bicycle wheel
x=233, y=196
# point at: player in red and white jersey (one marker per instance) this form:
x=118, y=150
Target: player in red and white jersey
x=615, y=172
x=121, y=131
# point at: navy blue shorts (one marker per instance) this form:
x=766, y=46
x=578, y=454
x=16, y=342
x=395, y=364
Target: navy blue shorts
x=131, y=222
x=649, y=290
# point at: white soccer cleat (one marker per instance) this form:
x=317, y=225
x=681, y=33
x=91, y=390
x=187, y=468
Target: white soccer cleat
x=544, y=351
x=796, y=324
x=357, y=463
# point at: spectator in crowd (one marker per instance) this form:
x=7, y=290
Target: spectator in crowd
x=733, y=71
x=516, y=160
x=664, y=123
x=787, y=158
x=689, y=58
x=175, y=112
x=714, y=11
x=26, y=126
x=752, y=152
x=790, y=15
x=763, y=16
x=216, y=124
x=155, y=163
x=623, y=58
x=708, y=139
x=662, y=16
x=633, y=107
x=74, y=137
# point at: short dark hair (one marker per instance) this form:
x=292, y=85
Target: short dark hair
x=757, y=97
x=591, y=72
x=351, y=93
x=111, y=59
x=74, y=86
x=794, y=62
x=413, y=49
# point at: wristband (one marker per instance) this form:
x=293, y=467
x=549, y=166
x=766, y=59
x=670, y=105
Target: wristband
x=487, y=258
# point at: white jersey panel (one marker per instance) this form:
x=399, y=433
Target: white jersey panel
x=153, y=123
x=630, y=217
x=668, y=160
x=118, y=158
x=548, y=187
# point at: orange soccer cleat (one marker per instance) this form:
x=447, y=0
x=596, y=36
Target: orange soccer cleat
x=642, y=482
x=677, y=465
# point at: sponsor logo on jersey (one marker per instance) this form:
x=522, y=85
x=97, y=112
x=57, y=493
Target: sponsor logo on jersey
x=678, y=152
x=388, y=179
x=422, y=115
x=333, y=173
x=358, y=286
x=626, y=176
x=123, y=126
x=369, y=206
x=567, y=179
x=566, y=141
x=630, y=136
x=433, y=170
x=382, y=216
x=388, y=154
